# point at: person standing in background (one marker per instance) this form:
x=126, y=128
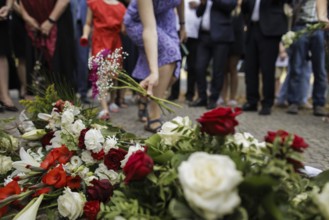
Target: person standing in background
x=79, y=14
x=106, y=19
x=151, y=25
x=266, y=23
x=215, y=36
x=6, y=103
x=192, y=29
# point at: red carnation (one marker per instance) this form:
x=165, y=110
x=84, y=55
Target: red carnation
x=46, y=139
x=98, y=156
x=10, y=189
x=59, y=155
x=114, y=157
x=138, y=166
x=55, y=177
x=298, y=143
x=219, y=121
x=81, y=143
x=91, y=209
x=42, y=191
x=84, y=42
x=101, y=190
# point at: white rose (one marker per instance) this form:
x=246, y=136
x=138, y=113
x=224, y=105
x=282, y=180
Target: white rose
x=87, y=158
x=131, y=150
x=77, y=127
x=248, y=142
x=321, y=199
x=6, y=164
x=94, y=140
x=67, y=118
x=110, y=142
x=210, y=184
x=168, y=133
x=70, y=204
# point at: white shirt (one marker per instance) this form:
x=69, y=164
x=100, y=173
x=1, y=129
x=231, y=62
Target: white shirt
x=192, y=22
x=255, y=12
x=205, y=22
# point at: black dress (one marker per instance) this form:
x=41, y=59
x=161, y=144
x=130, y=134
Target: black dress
x=237, y=47
x=4, y=34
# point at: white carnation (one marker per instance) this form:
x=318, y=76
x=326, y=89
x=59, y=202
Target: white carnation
x=71, y=204
x=56, y=141
x=210, y=184
x=77, y=127
x=110, y=142
x=67, y=118
x=94, y=140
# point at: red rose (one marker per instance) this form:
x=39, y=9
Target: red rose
x=73, y=182
x=138, y=166
x=98, y=156
x=91, y=209
x=10, y=189
x=113, y=159
x=59, y=105
x=298, y=143
x=46, y=139
x=57, y=155
x=84, y=42
x=55, y=177
x=101, y=190
x=219, y=121
x=81, y=143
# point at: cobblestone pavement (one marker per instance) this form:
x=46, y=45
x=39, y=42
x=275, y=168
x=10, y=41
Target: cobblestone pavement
x=311, y=128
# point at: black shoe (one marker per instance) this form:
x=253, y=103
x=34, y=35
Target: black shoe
x=265, y=111
x=211, y=105
x=198, y=103
x=2, y=108
x=172, y=98
x=319, y=111
x=188, y=99
x=247, y=107
x=9, y=108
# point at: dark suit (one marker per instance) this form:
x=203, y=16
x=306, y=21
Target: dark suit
x=214, y=44
x=262, y=45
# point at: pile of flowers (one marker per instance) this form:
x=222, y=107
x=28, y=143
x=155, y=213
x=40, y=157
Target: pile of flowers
x=79, y=167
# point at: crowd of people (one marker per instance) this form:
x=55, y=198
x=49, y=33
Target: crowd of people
x=211, y=33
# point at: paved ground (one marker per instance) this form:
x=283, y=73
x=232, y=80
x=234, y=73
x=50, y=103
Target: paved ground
x=311, y=128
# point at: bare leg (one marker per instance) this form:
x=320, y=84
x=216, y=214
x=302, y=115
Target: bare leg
x=105, y=113
x=4, y=90
x=233, y=62
x=21, y=69
x=165, y=74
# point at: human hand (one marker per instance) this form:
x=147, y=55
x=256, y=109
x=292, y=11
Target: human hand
x=203, y=2
x=182, y=35
x=283, y=55
x=326, y=22
x=193, y=4
x=4, y=11
x=31, y=23
x=46, y=27
x=150, y=82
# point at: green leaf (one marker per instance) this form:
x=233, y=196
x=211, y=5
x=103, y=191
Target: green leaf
x=322, y=178
x=180, y=210
x=154, y=140
x=258, y=184
x=271, y=208
x=165, y=157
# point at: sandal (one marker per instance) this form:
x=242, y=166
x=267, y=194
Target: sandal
x=142, y=111
x=149, y=128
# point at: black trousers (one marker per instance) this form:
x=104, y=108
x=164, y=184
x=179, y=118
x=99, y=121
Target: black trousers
x=191, y=60
x=207, y=50
x=261, y=55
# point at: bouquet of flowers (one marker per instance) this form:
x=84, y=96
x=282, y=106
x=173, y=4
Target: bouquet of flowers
x=290, y=37
x=79, y=167
x=106, y=67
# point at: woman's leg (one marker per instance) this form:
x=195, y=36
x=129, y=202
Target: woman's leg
x=4, y=82
x=165, y=74
x=21, y=70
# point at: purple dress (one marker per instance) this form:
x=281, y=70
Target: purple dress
x=168, y=41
